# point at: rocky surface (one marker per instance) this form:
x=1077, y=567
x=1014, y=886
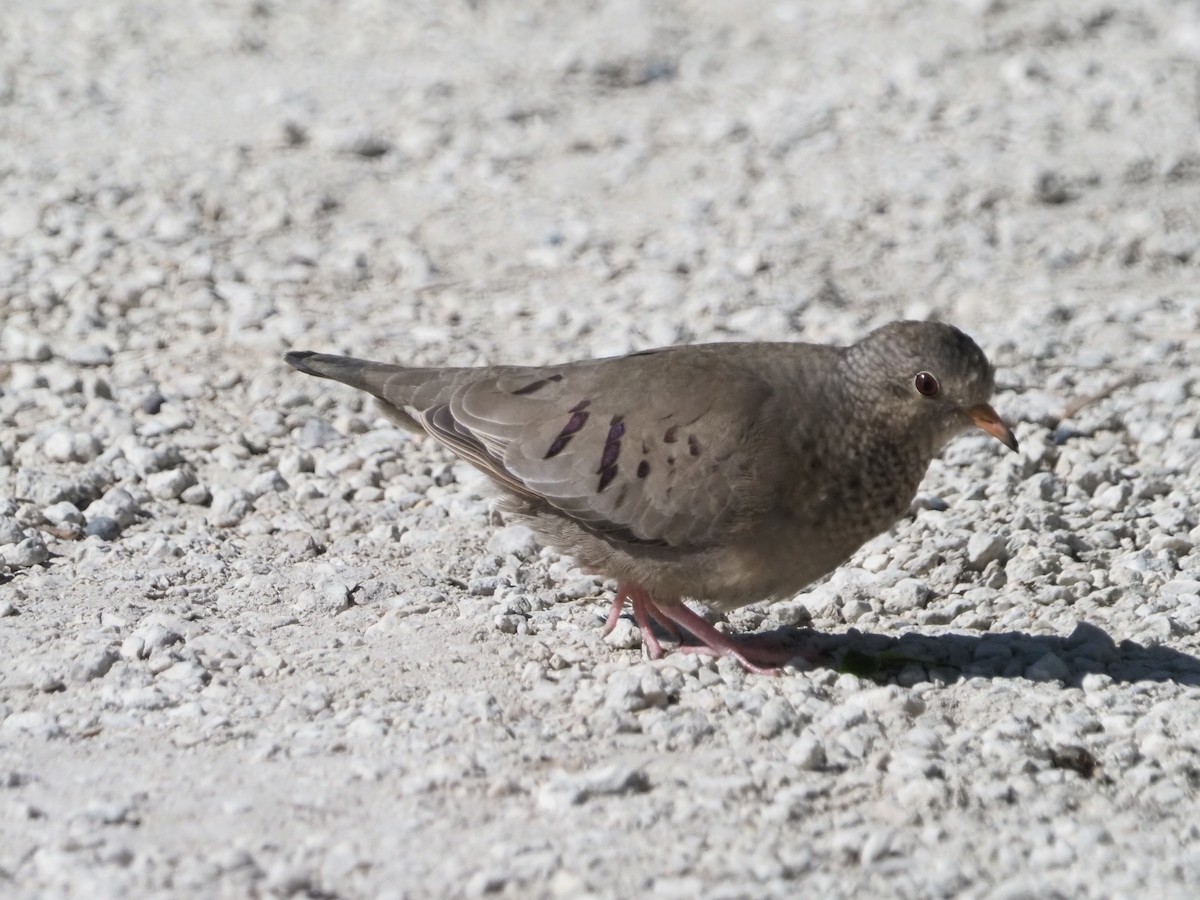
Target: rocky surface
x=255, y=641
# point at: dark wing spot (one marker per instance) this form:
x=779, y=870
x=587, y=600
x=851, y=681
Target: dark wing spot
x=670, y=460
x=530, y=388
x=622, y=495
x=606, y=477
x=609, y=456
x=671, y=436
x=612, y=444
x=581, y=406
x=557, y=445
x=577, y=421
x=693, y=445
x=534, y=387
x=643, y=469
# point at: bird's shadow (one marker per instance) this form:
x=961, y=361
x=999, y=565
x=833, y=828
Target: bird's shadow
x=913, y=656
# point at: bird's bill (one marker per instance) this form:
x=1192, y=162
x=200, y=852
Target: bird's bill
x=987, y=418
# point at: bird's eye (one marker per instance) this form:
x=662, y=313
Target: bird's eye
x=926, y=384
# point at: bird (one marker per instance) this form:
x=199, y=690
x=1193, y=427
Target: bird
x=724, y=473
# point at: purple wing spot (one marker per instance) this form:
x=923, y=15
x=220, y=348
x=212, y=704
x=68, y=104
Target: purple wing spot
x=643, y=469
x=693, y=445
x=557, y=445
x=531, y=387
x=606, y=477
x=577, y=421
x=612, y=446
x=609, y=456
x=535, y=386
x=670, y=437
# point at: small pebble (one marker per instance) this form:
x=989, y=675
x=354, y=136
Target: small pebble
x=29, y=552
x=103, y=527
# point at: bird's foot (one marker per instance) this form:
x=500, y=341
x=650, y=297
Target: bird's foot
x=763, y=654
x=644, y=608
x=759, y=653
x=767, y=657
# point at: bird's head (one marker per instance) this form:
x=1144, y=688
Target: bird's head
x=932, y=380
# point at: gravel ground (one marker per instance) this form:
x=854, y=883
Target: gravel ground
x=256, y=642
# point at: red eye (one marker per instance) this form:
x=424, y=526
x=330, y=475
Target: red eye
x=926, y=384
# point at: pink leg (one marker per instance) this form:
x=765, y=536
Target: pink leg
x=642, y=605
x=618, y=607
x=655, y=613
x=639, y=600
x=643, y=609
x=764, y=656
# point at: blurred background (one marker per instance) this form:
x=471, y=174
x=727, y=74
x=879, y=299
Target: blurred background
x=337, y=678
x=211, y=182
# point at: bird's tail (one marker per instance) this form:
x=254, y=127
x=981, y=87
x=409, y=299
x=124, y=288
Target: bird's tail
x=400, y=389
x=359, y=373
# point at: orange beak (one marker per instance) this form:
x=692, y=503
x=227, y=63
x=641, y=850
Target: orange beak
x=986, y=418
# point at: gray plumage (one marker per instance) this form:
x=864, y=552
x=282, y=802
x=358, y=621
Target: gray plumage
x=729, y=473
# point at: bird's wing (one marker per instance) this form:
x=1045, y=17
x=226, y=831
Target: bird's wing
x=642, y=448
x=671, y=447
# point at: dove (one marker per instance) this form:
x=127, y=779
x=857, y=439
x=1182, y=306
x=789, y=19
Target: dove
x=727, y=473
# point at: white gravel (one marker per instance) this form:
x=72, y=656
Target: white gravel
x=256, y=642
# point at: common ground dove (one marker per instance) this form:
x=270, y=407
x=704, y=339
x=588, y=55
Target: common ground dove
x=728, y=473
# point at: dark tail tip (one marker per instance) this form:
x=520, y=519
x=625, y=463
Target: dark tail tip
x=297, y=359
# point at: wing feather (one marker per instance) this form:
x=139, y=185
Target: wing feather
x=634, y=447
x=676, y=446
